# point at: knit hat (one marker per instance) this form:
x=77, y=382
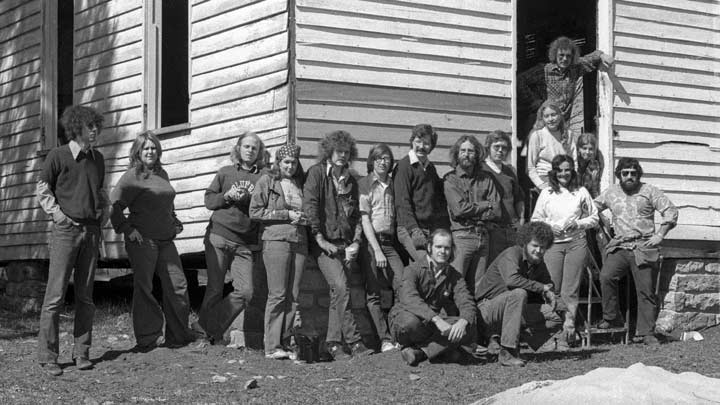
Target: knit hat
x=290, y=150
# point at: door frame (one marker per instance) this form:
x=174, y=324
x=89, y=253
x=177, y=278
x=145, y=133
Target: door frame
x=605, y=133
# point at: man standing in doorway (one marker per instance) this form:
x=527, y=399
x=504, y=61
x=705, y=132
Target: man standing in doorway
x=70, y=189
x=635, y=246
x=419, y=200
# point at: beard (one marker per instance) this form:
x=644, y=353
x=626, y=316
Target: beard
x=630, y=186
x=467, y=164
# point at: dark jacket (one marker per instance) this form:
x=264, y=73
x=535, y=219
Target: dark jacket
x=424, y=296
x=267, y=206
x=511, y=270
x=335, y=216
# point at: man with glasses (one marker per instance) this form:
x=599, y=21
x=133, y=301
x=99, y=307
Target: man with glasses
x=635, y=246
x=558, y=81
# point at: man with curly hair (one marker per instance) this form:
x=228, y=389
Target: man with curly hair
x=509, y=293
x=70, y=190
x=419, y=200
x=560, y=81
x=330, y=202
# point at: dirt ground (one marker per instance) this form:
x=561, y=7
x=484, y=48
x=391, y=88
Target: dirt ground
x=219, y=375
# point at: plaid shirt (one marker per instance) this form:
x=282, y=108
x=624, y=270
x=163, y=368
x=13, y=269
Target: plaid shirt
x=549, y=82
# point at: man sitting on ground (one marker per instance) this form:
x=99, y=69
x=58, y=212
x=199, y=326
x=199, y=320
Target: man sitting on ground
x=436, y=313
x=516, y=277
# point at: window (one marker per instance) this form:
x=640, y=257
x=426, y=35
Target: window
x=167, y=87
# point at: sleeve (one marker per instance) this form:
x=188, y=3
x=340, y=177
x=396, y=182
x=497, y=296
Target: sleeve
x=403, y=197
x=494, y=200
x=464, y=301
x=591, y=220
x=355, y=215
x=533, y=157
x=214, y=194
x=364, y=201
x=410, y=296
x=590, y=62
x=312, y=198
x=45, y=189
x=459, y=206
x=122, y=196
x=510, y=272
x=259, y=203
x=539, y=213
x=528, y=81
x=665, y=207
x=601, y=202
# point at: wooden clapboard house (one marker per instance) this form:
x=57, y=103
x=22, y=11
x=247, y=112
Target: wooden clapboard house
x=199, y=72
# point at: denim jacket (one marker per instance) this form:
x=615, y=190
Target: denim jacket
x=268, y=207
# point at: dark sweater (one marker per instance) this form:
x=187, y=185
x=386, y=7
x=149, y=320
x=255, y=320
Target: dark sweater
x=231, y=220
x=510, y=270
x=76, y=184
x=151, y=204
x=419, y=197
x=508, y=185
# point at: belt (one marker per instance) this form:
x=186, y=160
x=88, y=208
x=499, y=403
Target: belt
x=478, y=229
x=385, y=239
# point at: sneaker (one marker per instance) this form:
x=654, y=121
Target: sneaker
x=494, y=346
x=359, y=349
x=388, y=346
x=236, y=340
x=52, y=369
x=277, y=354
x=337, y=351
x=412, y=356
x=83, y=363
x=510, y=358
x=650, y=340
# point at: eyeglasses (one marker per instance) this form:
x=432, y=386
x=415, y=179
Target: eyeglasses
x=386, y=159
x=628, y=173
x=499, y=148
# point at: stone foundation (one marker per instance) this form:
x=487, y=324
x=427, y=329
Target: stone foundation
x=22, y=286
x=689, y=295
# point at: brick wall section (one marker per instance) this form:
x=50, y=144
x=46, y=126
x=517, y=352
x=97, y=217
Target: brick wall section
x=690, y=294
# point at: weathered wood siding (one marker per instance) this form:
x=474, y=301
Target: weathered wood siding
x=666, y=104
x=239, y=76
x=376, y=68
x=21, y=225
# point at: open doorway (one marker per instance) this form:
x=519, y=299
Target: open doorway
x=539, y=22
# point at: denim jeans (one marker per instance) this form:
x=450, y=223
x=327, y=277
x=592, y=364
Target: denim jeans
x=341, y=320
x=377, y=280
x=471, y=253
x=501, y=237
x=284, y=264
x=218, y=313
x=565, y=262
x=70, y=247
x=148, y=258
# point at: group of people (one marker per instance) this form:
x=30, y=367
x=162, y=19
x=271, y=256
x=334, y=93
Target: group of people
x=451, y=269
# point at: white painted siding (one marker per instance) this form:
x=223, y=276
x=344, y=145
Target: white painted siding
x=666, y=104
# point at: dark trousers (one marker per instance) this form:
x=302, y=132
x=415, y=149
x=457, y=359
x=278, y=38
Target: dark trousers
x=218, y=313
x=70, y=247
x=501, y=237
x=341, y=320
x=284, y=264
x=379, y=281
x=410, y=330
x=471, y=254
x=616, y=266
x=158, y=257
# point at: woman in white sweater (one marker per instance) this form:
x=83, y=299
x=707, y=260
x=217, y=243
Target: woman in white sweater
x=569, y=210
x=550, y=138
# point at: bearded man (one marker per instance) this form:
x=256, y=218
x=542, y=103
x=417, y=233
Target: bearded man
x=635, y=246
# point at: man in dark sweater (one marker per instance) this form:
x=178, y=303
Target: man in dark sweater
x=419, y=200
x=516, y=277
x=70, y=189
x=436, y=313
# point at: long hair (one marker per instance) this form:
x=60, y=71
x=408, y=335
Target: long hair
x=236, y=157
x=298, y=177
x=377, y=151
x=455, y=150
x=539, y=231
x=540, y=122
x=136, y=149
x=628, y=163
x=563, y=43
x=424, y=131
x=590, y=170
x=552, y=174
x=76, y=117
x=336, y=140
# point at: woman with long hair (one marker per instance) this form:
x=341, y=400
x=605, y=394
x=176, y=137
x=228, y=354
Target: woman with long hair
x=590, y=163
x=550, y=138
x=277, y=204
x=145, y=190
x=569, y=210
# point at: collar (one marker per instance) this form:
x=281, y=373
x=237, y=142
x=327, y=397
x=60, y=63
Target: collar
x=75, y=149
x=328, y=171
x=254, y=169
x=491, y=164
x=376, y=179
x=437, y=272
x=462, y=172
x=554, y=67
x=414, y=159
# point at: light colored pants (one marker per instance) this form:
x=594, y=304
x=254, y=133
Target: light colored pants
x=565, y=262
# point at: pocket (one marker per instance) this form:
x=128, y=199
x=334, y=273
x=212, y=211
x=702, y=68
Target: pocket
x=645, y=256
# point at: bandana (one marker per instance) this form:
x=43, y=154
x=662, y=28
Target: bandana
x=290, y=150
